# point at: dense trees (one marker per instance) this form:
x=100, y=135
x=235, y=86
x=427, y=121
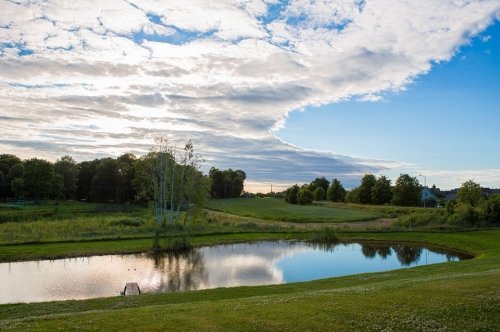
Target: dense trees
x=120, y=180
x=39, y=180
x=105, y=186
x=226, y=183
x=86, y=172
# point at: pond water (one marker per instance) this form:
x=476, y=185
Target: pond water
x=259, y=263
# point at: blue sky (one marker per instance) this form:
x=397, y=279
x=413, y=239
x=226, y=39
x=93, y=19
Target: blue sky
x=99, y=80
x=447, y=118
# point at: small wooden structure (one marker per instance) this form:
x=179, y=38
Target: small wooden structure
x=131, y=288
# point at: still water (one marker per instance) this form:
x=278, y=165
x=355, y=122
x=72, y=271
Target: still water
x=260, y=263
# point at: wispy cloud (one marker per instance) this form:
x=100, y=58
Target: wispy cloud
x=102, y=77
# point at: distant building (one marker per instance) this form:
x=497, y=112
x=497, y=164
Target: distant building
x=428, y=196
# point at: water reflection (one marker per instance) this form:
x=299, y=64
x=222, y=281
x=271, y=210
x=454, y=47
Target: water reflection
x=209, y=267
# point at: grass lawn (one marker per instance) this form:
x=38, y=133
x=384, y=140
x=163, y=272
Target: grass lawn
x=279, y=210
x=455, y=296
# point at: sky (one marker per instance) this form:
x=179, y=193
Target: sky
x=285, y=90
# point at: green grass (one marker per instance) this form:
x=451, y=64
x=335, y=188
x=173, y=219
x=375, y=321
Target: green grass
x=455, y=296
x=279, y=210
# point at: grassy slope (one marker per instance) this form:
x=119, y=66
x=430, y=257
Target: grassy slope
x=278, y=209
x=451, y=296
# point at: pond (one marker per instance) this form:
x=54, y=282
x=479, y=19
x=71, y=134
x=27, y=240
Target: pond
x=246, y=264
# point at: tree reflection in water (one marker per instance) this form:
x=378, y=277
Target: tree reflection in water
x=405, y=254
x=371, y=251
x=180, y=271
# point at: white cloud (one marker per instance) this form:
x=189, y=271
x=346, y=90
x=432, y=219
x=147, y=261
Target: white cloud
x=231, y=76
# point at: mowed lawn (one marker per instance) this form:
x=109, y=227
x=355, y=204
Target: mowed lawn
x=278, y=209
x=454, y=296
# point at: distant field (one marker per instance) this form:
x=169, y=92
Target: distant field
x=277, y=209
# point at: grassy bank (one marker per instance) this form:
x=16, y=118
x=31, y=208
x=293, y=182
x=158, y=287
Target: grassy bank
x=452, y=296
x=279, y=210
x=24, y=252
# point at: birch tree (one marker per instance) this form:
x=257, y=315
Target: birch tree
x=173, y=175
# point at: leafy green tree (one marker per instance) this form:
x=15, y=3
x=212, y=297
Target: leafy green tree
x=365, y=189
x=106, y=181
x=319, y=183
x=381, y=191
x=291, y=194
x=319, y=194
x=67, y=168
x=40, y=181
x=305, y=196
x=470, y=193
x=406, y=191
x=336, y=192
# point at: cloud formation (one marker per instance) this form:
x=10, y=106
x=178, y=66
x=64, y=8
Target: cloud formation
x=96, y=78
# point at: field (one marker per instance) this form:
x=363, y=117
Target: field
x=279, y=210
x=446, y=297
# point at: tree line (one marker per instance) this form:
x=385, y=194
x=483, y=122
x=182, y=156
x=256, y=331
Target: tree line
x=372, y=190
x=126, y=178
